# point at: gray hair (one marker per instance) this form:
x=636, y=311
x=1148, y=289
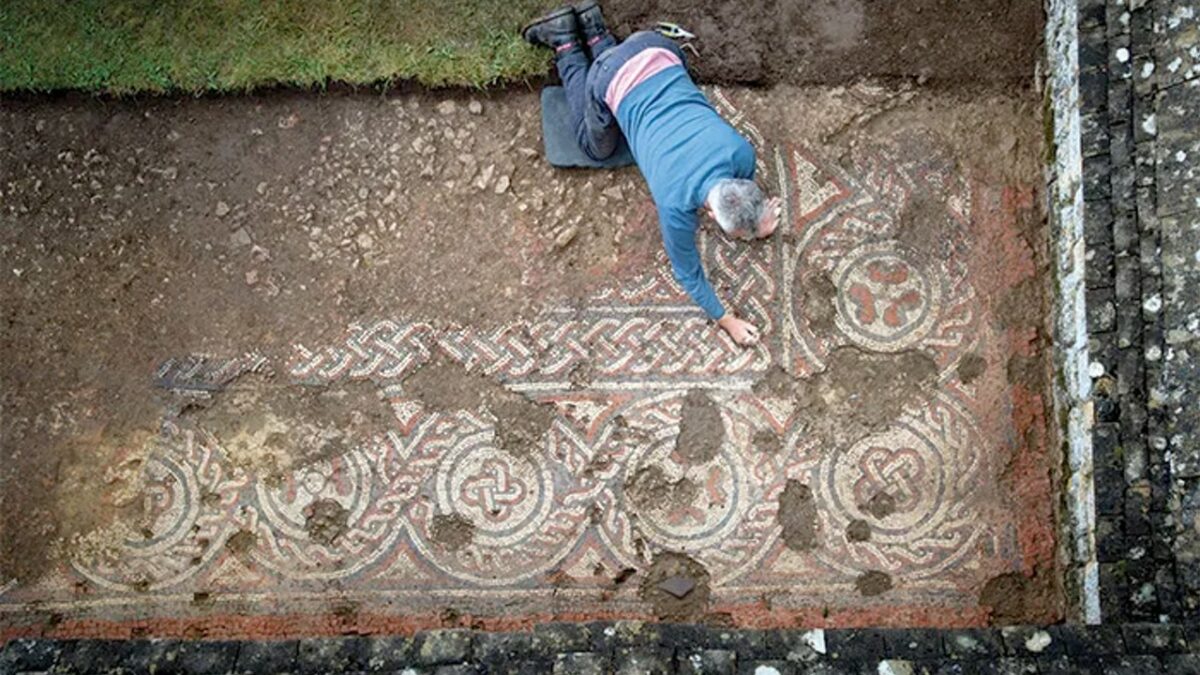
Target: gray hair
x=738, y=205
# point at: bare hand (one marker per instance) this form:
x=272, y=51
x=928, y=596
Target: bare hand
x=743, y=332
x=770, y=218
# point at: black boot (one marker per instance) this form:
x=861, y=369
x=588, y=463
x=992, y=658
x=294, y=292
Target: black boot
x=591, y=21
x=554, y=30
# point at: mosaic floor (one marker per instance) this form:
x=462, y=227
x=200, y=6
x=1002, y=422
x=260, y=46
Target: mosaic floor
x=963, y=466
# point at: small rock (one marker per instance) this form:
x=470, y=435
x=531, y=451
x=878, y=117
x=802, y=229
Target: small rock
x=240, y=237
x=1038, y=642
x=475, y=107
x=485, y=176
x=614, y=192
x=364, y=241
x=677, y=586
x=363, y=193
x=261, y=188
x=895, y=667
x=170, y=173
x=251, y=277
x=222, y=209
x=502, y=185
x=527, y=153
x=565, y=237
x=447, y=107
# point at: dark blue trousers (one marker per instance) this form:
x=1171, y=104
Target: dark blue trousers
x=586, y=81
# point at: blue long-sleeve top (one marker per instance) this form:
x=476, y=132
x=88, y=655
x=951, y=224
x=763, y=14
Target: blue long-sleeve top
x=683, y=147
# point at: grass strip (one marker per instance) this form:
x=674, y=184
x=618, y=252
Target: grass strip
x=133, y=46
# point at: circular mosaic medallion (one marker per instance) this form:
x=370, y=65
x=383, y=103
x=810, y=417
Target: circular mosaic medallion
x=184, y=509
x=505, y=497
x=485, y=515
x=885, y=301
x=912, y=485
x=326, y=520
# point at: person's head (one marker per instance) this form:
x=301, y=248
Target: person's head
x=737, y=205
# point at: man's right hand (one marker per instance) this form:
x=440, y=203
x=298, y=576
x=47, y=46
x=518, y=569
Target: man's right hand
x=743, y=332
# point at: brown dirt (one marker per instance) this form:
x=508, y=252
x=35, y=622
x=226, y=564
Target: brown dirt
x=242, y=541
x=857, y=393
x=273, y=427
x=451, y=531
x=767, y=442
x=838, y=40
x=819, y=302
x=971, y=367
x=701, y=431
x=325, y=520
x=446, y=385
x=667, y=607
x=797, y=515
x=873, y=582
x=881, y=505
x=650, y=490
x=858, y=530
x=1018, y=599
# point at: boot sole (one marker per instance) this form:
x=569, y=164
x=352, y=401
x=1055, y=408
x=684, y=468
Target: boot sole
x=556, y=14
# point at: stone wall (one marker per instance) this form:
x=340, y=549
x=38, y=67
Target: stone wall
x=1140, y=104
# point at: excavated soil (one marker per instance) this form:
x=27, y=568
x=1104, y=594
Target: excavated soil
x=139, y=231
x=830, y=41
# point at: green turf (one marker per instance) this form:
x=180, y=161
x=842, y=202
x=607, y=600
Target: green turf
x=126, y=46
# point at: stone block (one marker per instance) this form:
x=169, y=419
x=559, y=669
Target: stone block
x=1093, y=90
x=1121, y=147
x=1091, y=14
x=642, y=661
x=1096, y=183
x=1120, y=58
x=270, y=656
x=1145, y=122
x=555, y=638
x=1123, y=194
x=437, y=647
x=1123, y=664
x=1137, y=460
x=1137, y=509
x=708, y=662
x=855, y=644
x=1101, y=310
x=913, y=644
x=499, y=648
x=196, y=657
x=1120, y=103
x=1030, y=642
x=1097, y=223
x=1110, y=539
x=1181, y=664
x=336, y=654
x=1099, y=270
x=1093, y=132
x=1178, y=149
x=385, y=654
x=30, y=655
x=1093, y=49
x=581, y=663
x=974, y=643
x=1177, y=24
x=1154, y=638
x=1114, y=593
